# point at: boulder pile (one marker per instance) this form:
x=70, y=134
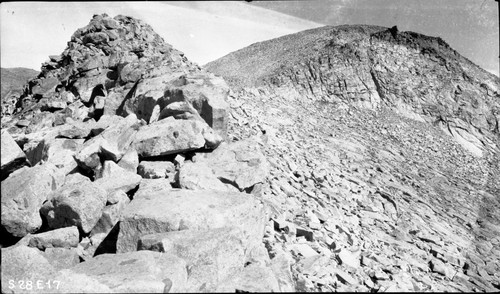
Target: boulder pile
x=116, y=176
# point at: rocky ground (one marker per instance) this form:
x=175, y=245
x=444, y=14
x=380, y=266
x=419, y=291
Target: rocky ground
x=127, y=168
x=368, y=200
x=384, y=158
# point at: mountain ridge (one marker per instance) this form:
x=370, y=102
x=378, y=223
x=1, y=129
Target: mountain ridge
x=305, y=63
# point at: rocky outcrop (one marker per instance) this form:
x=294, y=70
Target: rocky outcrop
x=380, y=178
x=107, y=126
x=419, y=77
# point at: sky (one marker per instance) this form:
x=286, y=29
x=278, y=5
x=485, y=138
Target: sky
x=205, y=31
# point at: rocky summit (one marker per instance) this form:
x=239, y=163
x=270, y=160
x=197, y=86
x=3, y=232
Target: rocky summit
x=350, y=158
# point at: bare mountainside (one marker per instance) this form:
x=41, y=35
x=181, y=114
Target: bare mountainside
x=339, y=159
x=384, y=150
x=13, y=81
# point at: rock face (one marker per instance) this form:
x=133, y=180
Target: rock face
x=418, y=76
x=383, y=149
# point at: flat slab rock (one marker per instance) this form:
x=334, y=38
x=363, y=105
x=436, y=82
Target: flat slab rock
x=170, y=136
x=136, y=272
x=240, y=163
x=211, y=255
x=64, y=237
x=159, y=210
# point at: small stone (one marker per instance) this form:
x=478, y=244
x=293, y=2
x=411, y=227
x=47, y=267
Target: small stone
x=304, y=249
x=315, y=225
x=179, y=159
x=345, y=277
x=308, y=234
x=348, y=258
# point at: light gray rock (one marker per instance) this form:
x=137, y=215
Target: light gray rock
x=155, y=169
x=240, y=163
x=160, y=210
x=204, y=93
x=23, y=194
x=130, y=160
x=12, y=156
x=62, y=258
x=140, y=271
x=110, y=216
x=170, y=136
x=21, y=264
x=211, y=255
x=60, y=152
x=149, y=186
x=79, y=204
x=349, y=258
x=199, y=176
x=113, y=178
x=112, y=143
x=253, y=278
x=281, y=267
x=117, y=196
x=63, y=237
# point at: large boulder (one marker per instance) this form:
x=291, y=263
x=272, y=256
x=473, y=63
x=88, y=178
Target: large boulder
x=78, y=203
x=63, y=237
x=211, y=255
x=60, y=152
x=156, y=169
x=12, y=156
x=204, y=93
x=113, y=178
x=253, y=278
x=134, y=272
x=160, y=210
x=112, y=143
x=23, y=194
x=28, y=270
x=200, y=176
x=170, y=136
x=21, y=265
x=240, y=164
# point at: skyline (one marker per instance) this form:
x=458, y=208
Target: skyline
x=205, y=31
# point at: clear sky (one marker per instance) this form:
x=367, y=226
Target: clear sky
x=205, y=31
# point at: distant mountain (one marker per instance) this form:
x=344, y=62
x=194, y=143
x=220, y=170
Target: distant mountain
x=421, y=77
x=15, y=78
x=13, y=81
